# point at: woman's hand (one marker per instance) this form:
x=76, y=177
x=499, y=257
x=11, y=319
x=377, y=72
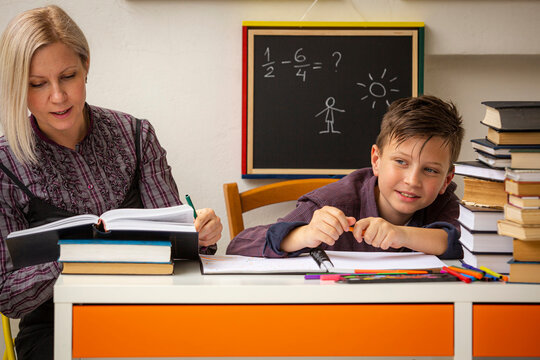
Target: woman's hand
x=209, y=227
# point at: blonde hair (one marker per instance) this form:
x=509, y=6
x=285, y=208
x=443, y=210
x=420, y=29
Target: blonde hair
x=25, y=34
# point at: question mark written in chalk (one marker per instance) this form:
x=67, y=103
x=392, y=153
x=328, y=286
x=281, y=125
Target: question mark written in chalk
x=338, y=58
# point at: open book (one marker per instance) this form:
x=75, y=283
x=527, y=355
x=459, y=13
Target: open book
x=40, y=244
x=342, y=262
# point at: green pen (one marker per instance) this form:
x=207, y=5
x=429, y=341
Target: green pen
x=188, y=199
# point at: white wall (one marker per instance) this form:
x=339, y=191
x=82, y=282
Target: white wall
x=178, y=64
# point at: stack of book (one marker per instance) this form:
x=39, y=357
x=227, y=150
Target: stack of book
x=482, y=245
x=512, y=128
x=121, y=241
x=104, y=256
x=514, y=142
x=522, y=223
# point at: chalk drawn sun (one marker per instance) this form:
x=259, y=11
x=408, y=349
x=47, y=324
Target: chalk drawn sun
x=378, y=89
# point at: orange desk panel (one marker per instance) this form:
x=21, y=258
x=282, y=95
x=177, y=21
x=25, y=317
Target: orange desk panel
x=506, y=330
x=254, y=330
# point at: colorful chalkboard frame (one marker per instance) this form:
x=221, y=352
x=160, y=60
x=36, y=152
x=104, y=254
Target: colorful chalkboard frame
x=253, y=145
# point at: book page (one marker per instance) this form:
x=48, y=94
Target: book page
x=182, y=214
x=238, y=264
x=352, y=260
x=148, y=225
x=71, y=221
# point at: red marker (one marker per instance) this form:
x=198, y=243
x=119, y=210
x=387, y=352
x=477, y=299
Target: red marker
x=456, y=274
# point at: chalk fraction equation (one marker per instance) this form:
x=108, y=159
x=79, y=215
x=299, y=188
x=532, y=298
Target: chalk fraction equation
x=315, y=98
x=299, y=63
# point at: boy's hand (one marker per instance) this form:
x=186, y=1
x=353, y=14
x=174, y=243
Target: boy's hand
x=326, y=226
x=380, y=233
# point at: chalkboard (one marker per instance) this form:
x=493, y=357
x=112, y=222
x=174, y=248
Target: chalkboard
x=314, y=97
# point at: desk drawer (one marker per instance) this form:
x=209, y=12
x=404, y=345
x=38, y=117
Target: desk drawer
x=254, y=330
x=506, y=330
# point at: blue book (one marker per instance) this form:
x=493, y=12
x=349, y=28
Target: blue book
x=488, y=147
x=114, y=242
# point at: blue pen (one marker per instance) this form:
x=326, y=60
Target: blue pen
x=486, y=275
x=465, y=265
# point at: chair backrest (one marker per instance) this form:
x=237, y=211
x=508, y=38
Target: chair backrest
x=9, y=353
x=239, y=203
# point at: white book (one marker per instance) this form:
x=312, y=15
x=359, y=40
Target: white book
x=99, y=250
x=343, y=262
x=485, y=241
x=496, y=262
x=523, y=174
x=479, y=218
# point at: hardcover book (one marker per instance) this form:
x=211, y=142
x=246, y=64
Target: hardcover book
x=521, y=216
x=519, y=231
x=524, y=272
x=512, y=115
x=524, y=202
x=523, y=174
x=513, y=137
x=478, y=169
x=522, y=188
x=525, y=159
x=479, y=218
x=526, y=250
x=118, y=268
x=491, y=148
x=496, y=161
x=174, y=224
x=495, y=262
x=486, y=193
x=485, y=241
x=93, y=250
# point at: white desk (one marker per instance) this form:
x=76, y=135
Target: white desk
x=75, y=297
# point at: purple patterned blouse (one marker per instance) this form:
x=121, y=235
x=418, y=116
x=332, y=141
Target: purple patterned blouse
x=93, y=178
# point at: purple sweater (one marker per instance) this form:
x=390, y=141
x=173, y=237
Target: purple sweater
x=91, y=179
x=355, y=196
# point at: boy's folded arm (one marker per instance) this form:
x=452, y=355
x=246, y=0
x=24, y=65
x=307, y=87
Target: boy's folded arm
x=249, y=242
x=427, y=240
x=275, y=236
x=259, y=241
x=453, y=248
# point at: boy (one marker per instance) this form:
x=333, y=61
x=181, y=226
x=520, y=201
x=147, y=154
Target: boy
x=404, y=202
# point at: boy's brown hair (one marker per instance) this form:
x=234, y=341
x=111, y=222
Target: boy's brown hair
x=423, y=116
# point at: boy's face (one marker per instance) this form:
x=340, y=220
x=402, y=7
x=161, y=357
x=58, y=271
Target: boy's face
x=410, y=177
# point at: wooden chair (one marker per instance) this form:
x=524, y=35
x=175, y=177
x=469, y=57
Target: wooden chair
x=9, y=353
x=239, y=203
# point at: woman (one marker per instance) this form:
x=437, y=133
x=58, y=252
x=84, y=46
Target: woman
x=67, y=158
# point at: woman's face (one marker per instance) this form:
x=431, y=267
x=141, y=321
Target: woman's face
x=57, y=93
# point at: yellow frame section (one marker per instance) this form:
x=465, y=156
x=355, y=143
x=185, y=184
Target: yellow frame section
x=333, y=24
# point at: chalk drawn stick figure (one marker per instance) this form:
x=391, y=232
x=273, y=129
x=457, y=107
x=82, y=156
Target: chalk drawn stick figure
x=329, y=117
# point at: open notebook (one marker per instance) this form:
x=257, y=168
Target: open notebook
x=343, y=262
